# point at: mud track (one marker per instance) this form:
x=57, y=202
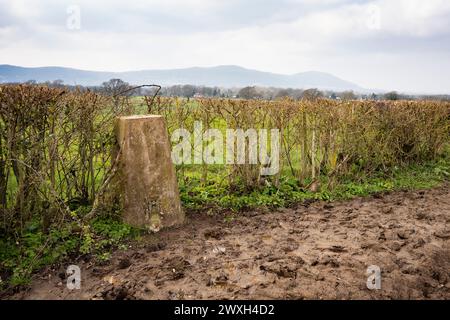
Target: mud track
x=316, y=251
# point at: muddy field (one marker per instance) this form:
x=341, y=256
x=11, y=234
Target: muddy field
x=313, y=251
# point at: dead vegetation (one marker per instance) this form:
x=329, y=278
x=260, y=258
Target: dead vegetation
x=55, y=146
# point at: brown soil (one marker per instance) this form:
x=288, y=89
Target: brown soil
x=316, y=251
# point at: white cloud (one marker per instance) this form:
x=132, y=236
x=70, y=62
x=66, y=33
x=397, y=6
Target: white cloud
x=415, y=17
x=281, y=36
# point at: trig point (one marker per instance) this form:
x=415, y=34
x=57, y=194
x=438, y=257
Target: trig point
x=146, y=174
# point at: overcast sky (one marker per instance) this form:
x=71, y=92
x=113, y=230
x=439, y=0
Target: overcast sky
x=385, y=44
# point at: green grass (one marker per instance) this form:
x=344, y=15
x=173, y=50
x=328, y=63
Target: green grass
x=217, y=195
x=32, y=250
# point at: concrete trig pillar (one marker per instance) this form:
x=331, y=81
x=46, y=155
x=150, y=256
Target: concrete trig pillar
x=146, y=173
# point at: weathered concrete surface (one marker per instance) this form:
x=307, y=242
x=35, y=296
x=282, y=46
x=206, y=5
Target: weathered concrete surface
x=146, y=174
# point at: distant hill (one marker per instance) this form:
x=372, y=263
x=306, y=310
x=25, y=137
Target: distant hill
x=221, y=76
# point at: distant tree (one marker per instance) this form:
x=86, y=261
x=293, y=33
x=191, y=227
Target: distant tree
x=115, y=87
x=249, y=93
x=57, y=83
x=188, y=91
x=312, y=94
x=392, y=96
x=297, y=93
x=283, y=93
x=229, y=93
x=348, y=95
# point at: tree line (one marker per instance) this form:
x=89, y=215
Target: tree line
x=115, y=87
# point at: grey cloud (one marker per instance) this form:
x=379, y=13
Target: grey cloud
x=271, y=35
x=125, y=17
